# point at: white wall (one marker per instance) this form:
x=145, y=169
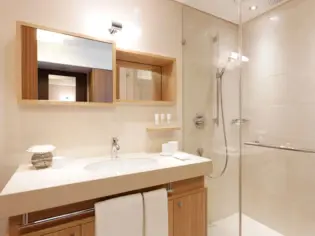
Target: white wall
x=84, y=131
x=279, y=87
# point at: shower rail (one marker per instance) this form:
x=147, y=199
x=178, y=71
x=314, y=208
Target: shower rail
x=282, y=147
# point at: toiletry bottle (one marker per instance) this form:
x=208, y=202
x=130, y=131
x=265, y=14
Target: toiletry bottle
x=168, y=118
x=156, y=119
x=162, y=119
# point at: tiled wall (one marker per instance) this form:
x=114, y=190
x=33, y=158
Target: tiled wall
x=201, y=56
x=279, y=85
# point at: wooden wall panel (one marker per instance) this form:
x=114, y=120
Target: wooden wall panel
x=29, y=63
x=169, y=82
x=101, y=86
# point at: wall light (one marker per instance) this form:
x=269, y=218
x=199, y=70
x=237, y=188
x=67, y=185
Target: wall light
x=115, y=28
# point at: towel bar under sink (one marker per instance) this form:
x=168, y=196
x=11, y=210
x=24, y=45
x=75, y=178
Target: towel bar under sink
x=27, y=224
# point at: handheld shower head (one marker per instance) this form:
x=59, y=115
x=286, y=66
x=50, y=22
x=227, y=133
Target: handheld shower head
x=220, y=72
x=235, y=56
x=232, y=58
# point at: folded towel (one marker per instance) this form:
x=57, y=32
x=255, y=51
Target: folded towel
x=120, y=216
x=156, y=213
x=182, y=156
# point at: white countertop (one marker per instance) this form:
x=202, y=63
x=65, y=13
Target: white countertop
x=69, y=181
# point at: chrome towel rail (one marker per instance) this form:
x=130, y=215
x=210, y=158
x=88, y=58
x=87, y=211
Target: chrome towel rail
x=283, y=148
x=27, y=224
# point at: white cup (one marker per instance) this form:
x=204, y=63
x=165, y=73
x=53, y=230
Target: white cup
x=166, y=148
x=173, y=146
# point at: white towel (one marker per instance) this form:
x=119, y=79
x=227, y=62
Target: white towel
x=156, y=213
x=121, y=216
x=182, y=156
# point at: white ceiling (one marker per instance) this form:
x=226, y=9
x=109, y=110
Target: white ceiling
x=228, y=9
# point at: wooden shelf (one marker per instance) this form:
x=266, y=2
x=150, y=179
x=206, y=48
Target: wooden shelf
x=163, y=68
x=143, y=58
x=145, y=103
x=95, y=104
x=163, y=128
x=63, y=103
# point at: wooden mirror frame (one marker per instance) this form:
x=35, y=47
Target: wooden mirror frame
x=27, y=75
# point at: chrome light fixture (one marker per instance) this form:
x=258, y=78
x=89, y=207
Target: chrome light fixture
x=115, y=28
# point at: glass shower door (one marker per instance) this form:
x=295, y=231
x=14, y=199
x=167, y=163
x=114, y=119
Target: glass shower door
x=208, y=43
x=278, y=182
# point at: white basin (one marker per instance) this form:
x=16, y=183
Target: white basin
x=121, y=165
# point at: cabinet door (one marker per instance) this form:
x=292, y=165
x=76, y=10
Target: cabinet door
x=88, y=229
x=190, y=215
x=73, y=231
x=170, y=217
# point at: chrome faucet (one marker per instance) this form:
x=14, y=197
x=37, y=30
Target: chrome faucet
x=115, y=148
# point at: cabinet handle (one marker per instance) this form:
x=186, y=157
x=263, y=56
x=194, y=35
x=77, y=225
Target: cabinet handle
x=179, y=204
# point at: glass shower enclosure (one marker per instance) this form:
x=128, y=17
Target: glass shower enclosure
x=211, y=74
x=267, y=96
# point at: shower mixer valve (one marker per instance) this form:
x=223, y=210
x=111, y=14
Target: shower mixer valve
x=199, y=121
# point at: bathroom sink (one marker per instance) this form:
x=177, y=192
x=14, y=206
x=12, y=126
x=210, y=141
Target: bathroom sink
x=121, y=165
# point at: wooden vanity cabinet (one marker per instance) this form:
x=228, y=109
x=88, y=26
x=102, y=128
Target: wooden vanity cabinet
x=73, y=231
x=189, y=215
x=171, y=218
x=88, y=229
x=186, y=213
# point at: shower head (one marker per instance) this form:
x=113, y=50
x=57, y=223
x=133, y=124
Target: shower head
x=234, y=56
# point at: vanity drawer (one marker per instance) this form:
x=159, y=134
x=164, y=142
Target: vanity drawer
x=184, y=187
x=73, y=231
x=84, y=227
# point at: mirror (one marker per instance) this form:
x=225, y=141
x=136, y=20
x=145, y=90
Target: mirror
x=64, y=49
x=139, y=82
x=64, y=67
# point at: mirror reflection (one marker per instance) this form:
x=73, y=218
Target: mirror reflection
x=73, y=68
x=143, y=83
x=62, y=88
x=69, y=50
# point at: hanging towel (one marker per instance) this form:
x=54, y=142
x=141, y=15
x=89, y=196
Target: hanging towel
x=121, y=216
x=156, y=213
